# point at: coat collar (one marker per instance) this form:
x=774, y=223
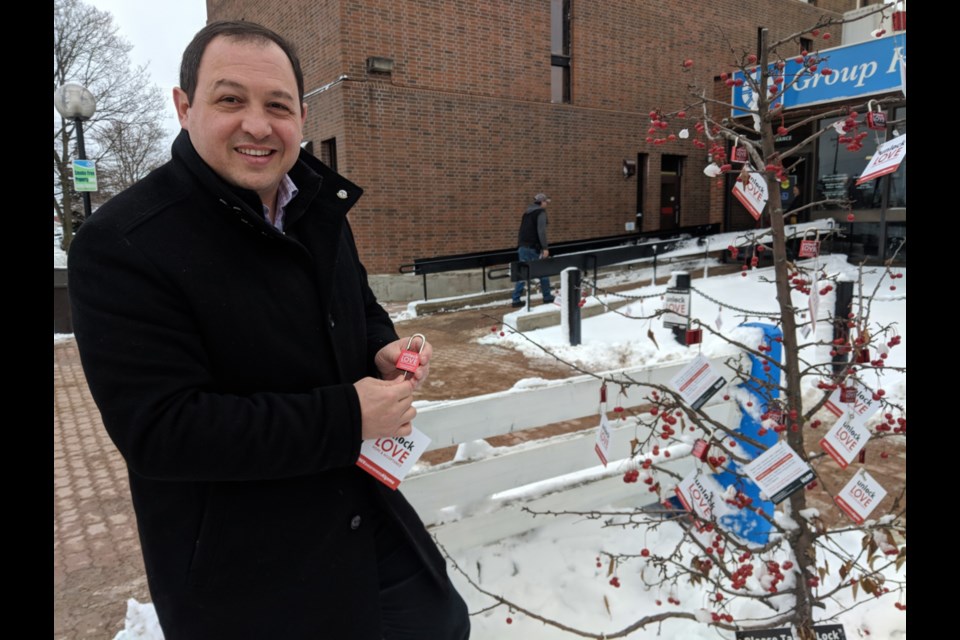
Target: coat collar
x=313, y=179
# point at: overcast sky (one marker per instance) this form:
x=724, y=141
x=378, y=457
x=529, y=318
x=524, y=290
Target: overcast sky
x=159, y=32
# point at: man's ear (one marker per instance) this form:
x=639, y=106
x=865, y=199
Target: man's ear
x=303, y=114
x=182, y=105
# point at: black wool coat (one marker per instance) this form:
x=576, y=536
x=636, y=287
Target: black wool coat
x=222, y=355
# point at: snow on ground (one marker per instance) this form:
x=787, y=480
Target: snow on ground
x=553, y=571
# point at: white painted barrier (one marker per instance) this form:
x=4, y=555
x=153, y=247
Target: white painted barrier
x=479, y=501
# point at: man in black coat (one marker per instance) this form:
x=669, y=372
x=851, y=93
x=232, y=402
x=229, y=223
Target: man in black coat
x=239, y=358
x=532, y=245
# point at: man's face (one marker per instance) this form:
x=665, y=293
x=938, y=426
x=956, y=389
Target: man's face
x=245, y=120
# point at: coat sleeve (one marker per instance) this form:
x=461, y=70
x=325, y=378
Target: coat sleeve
x=150, y=375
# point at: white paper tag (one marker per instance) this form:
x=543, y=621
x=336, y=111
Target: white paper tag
x=698, y=382
x=703, y=495
x=860, y=496
x=602, y=445
x=858, y=412
x=814, y=303
x=844, y=441
x=779, y=471
x=389, y=460
x=849, y=435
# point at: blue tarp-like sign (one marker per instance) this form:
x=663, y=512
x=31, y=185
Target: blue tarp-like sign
x=863, y=69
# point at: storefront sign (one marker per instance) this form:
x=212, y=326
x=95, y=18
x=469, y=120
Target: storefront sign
x=862, y=69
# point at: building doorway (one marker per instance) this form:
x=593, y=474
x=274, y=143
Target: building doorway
x=671, y=172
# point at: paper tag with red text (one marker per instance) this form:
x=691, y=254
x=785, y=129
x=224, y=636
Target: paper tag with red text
x=602, y=446
x=779, y=471
x=848, y=436
x=389, y=460
x=861, y=496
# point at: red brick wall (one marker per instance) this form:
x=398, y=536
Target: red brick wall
x=451, y=146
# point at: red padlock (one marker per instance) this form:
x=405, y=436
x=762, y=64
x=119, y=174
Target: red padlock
x=876, y=119
x=409, y=359
x=740, y=155
x=694, y=336
x=700, y=449
x=848, y=395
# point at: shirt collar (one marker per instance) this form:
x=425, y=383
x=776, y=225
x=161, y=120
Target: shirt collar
x=286, y=192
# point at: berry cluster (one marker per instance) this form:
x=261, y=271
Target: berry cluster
x=721, y=617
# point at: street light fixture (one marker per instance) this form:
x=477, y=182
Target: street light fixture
x=75, y=102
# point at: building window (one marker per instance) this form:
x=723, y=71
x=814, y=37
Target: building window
x=898, y=179
x=328, y=153
x=839, y=168
x=560, y=50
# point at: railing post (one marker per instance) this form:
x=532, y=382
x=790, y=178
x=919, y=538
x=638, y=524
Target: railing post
x=841, y=311
x=680, y=305
x=570, y=309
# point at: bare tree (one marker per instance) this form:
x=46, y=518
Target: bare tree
x=125, y=134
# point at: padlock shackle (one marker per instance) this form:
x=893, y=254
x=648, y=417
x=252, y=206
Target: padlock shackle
x=423, y=341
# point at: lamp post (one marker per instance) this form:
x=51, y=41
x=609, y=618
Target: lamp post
x=74, y=102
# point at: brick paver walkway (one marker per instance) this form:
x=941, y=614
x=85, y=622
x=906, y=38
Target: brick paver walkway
x=96, y=553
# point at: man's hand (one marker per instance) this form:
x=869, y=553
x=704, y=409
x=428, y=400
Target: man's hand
x=386, y=361
x=386, y=407
x=545, y=253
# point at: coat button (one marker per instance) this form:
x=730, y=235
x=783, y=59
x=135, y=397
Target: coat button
x=342, y=194
x=355, y=522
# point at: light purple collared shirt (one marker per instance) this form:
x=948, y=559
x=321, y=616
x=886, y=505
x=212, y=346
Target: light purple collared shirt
x=286, y=192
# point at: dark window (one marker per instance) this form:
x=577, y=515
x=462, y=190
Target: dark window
x=898, y=179
x=560, y=50
x=328, y=153
x=839, y=168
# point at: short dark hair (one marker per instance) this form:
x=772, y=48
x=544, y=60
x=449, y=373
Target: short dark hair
x=240, y=30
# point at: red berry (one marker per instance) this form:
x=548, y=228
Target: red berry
x=615, y=581
x=509, y=620
x=645, y=553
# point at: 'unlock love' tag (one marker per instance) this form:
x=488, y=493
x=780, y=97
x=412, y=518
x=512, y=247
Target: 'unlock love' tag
x=389, y=460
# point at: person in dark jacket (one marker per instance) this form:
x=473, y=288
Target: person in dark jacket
x=239, y=358
x=532, y=245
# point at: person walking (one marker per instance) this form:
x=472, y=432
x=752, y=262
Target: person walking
x=532, y=245
x=239, y=359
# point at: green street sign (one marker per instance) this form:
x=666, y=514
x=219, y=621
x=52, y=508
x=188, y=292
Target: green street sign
x=84, y=175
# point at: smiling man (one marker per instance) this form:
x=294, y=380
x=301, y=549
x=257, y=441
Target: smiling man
x=239, y=358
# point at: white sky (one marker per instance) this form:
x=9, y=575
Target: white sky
x=553, y=571
x=159, y=32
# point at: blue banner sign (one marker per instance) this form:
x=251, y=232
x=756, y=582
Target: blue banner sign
x=862, y=69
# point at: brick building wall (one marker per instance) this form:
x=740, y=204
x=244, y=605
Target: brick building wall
x=451, y=146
